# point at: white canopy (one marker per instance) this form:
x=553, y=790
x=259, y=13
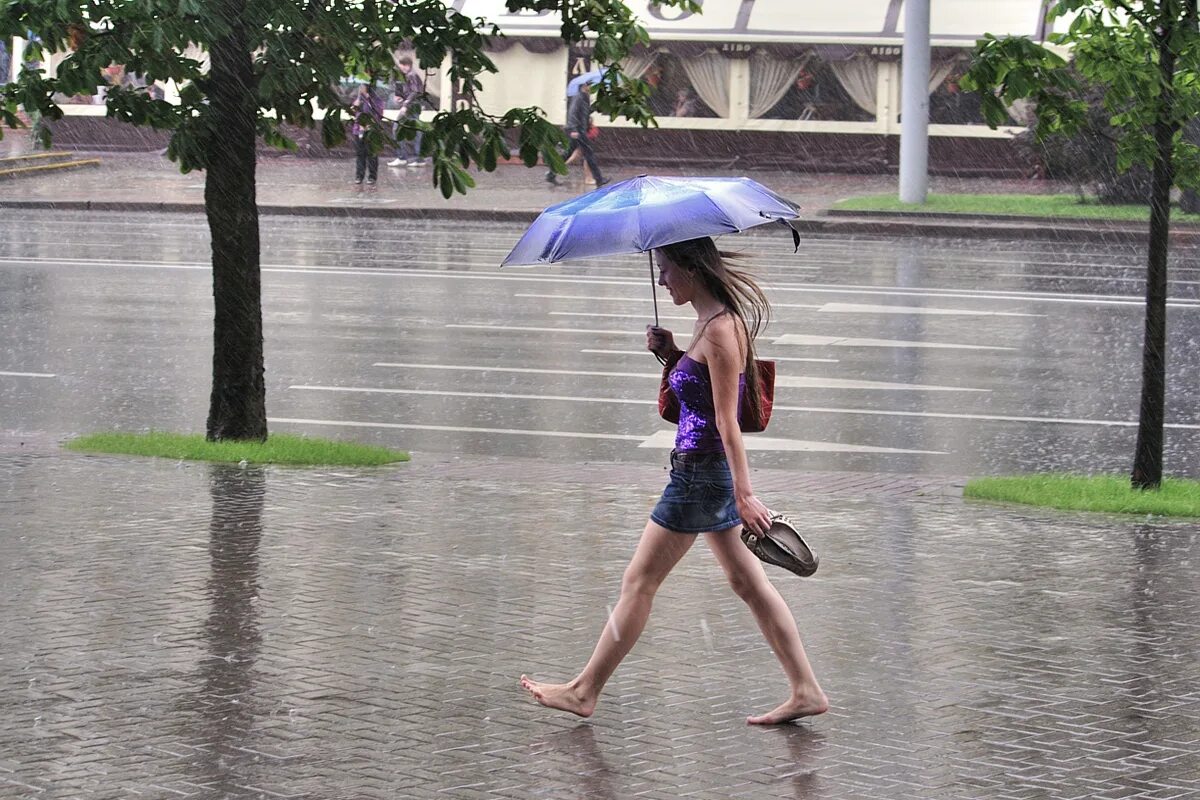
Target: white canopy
x=954, y=23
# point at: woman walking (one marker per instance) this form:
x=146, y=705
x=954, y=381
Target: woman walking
x=709, y=492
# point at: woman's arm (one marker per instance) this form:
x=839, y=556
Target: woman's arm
x=725, y=362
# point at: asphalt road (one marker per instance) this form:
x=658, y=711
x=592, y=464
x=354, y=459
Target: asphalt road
x=936, y=357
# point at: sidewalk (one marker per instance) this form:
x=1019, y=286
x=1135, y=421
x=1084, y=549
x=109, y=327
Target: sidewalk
x=143, y=180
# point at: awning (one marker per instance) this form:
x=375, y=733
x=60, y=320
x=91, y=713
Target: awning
x=953, y=23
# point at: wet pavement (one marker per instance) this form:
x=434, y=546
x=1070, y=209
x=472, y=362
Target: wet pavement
x=172, y=629
x=183, y=630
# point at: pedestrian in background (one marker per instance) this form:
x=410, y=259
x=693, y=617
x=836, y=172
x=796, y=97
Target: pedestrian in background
x=709, y=490
x=368, y=104
x=579, y=123
x=408, y=92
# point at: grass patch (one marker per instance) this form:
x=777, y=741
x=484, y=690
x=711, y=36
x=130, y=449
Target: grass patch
x=1065, y=206
x=1109, y=493
x=280, y=448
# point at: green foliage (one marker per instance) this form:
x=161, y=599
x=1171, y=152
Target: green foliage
x=1115, y=45
x=1104, y=493
x=1088, y=155
x=1050, y=206
x=279, y=448
x=1016, y=68
x=302, y=50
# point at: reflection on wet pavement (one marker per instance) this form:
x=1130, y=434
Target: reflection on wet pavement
x=214, y=632
x=223, y=703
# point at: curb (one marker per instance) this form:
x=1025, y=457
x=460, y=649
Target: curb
x=471, y=214
x=1007, y=226
x=843, y=223
x=971, y=228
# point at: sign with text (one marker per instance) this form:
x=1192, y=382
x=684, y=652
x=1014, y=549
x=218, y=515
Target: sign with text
x=960, y=21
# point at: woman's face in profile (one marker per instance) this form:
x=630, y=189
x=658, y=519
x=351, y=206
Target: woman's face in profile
x=671, y=276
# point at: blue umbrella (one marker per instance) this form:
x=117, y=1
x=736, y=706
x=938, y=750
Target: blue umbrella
x=589, y=78
x=642, y=213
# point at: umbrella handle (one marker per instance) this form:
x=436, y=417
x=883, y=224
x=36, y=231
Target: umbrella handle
x=654, y=294
x=653, y=288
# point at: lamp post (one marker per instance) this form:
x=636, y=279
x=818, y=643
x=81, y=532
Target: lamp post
x=914, y=103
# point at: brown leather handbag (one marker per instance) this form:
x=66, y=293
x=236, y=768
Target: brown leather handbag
x=750, y=420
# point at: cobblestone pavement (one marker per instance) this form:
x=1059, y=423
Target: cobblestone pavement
x=186, y=630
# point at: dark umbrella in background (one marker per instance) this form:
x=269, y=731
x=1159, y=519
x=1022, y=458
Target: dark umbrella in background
x=642, y=213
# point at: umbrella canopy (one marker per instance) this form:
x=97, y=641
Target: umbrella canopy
x=642, y=213
x=595, y=76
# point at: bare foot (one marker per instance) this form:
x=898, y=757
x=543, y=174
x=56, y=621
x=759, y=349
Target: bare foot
x=795, y=708
x=562, y=696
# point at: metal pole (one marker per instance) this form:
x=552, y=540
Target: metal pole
x=914, y=104
x=653, y=287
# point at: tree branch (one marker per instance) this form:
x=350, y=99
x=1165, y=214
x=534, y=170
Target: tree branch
x=1128, y=9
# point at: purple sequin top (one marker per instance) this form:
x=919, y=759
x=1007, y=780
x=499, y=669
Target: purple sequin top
x=697, y=413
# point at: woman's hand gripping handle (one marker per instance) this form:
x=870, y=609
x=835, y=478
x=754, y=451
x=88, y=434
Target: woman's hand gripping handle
x=660, y=341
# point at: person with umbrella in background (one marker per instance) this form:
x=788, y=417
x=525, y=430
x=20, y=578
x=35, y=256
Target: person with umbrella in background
x=709, y=490
x=579, y=123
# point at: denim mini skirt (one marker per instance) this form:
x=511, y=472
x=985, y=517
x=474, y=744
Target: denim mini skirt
x=699, y=496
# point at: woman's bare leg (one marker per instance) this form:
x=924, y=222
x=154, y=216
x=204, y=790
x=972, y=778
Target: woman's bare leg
x=775, y=620
x=657, y=554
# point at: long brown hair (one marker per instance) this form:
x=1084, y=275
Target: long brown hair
x=734, y=287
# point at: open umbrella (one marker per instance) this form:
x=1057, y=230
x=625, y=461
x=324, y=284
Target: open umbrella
x=589, y=78
x=642, y=213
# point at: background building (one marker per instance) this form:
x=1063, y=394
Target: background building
x=789, y=84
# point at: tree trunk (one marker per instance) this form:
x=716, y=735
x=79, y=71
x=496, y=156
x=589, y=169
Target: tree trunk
x=1148, y=455
x=237, y=408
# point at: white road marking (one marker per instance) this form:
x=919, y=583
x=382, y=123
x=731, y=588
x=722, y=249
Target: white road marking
x=477, y=275
x=974, y=294
x=874, y=412
x=781, y=381
x=644, y=315
x=29, y=374
x=660, y=439
x=846, y=341
x=770, y=357
x=665, y=440
x=382, y=272
x=786, y=339
x=345, y=423
x=488, y=395
x=860, y=308
x=796, y=382
x=524, y=370
x=978, y=417
x=645, y=299
x=589, y=331
x=1089, y=278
